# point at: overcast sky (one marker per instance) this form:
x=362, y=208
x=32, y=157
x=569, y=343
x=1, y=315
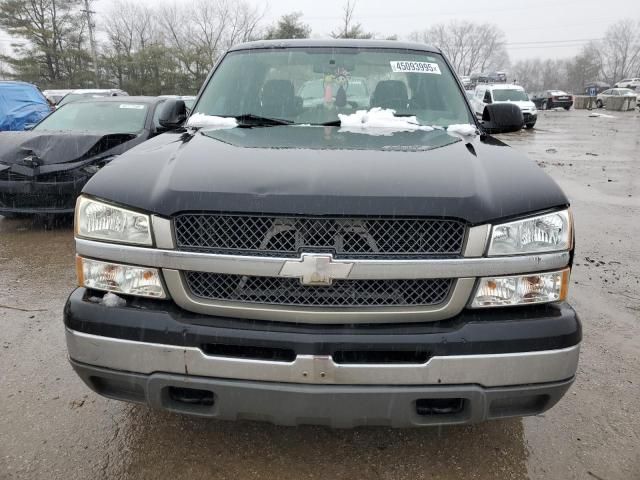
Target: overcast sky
x=544, y=28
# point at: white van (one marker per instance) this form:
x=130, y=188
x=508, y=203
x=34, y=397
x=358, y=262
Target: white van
x=505, y=93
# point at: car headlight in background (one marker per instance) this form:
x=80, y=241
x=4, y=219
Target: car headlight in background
x=522, y=289
x=102, y=221
x=551, y=232
x=117, y=278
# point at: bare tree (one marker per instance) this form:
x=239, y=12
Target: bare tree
x=583, y=69
x=619, y=51
x=470, y=47
x=171, y=47
x=348, y=28
x=200, y=34
x=528, y=73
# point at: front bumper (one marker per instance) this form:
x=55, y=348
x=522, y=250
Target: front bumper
x=336, y=406
x=506, y=362
x=561, y=103
x=40, y=197
x=530, y=118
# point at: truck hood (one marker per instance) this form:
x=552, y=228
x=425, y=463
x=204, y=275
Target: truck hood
x=326, y=171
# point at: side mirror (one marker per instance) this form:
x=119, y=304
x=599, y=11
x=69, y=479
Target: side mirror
x=173, y=114
x=502, y=118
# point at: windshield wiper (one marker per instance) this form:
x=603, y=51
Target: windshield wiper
x=251, y=120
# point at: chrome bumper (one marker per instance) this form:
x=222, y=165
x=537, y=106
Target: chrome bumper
x=489, y=370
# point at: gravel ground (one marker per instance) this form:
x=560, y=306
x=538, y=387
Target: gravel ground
x=53, y=427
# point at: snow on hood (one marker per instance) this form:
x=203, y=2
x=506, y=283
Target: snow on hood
x=465, y=131
x=379, y=121
x=210, y=122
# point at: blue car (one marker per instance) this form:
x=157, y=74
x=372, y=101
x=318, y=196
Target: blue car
x=22, y=105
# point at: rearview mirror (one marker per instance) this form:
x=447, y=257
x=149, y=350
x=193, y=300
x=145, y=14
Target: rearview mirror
x=502, y=118
x=173, y=114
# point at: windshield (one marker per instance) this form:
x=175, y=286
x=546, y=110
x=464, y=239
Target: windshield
x=314, y=85
x=107, y=117
x=509, y=95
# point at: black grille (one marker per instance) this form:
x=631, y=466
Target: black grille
x=342, y=293
x=343, y=237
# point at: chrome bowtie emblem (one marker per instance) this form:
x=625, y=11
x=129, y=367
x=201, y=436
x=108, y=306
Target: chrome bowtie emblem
x=316, y=269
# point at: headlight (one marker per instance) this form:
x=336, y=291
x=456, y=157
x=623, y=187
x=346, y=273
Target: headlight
x=522, y=290
x=117, y=278
x=102, y=221
x=545, y=233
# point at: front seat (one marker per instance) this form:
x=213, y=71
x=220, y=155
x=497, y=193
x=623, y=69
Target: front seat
x=278, y=99
x=390, y=94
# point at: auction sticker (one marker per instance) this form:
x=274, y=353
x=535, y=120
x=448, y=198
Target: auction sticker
x=132, y=106
x=415, y=67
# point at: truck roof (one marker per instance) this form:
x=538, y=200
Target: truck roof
x=335, y=42
x=501, y=86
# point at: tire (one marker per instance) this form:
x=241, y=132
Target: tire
x=544, y=105
x=567, y=108
x=599, y=104
x=529, y=126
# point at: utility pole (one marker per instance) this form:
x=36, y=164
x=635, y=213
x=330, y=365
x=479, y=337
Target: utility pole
x=92, y=41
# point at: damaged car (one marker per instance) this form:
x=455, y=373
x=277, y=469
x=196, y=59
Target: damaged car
x=42, y=171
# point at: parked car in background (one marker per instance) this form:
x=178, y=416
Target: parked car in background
x=632, y=83
x=489, y=77
x=82, y=94
x=603, y=97
x=43, y=171
x=476, y=79
x=552, y=99
x=505, y=93
x=466, y=81
x=497, y=77
x=22, y=105
x=54, y=96
x=597, y=86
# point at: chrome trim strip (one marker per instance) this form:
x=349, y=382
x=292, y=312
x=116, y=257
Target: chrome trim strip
x=162, y=232
x=362, y=269
x=486, y=370
x=458, y=297
x=476, y=243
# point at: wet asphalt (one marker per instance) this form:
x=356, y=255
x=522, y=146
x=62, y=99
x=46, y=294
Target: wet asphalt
x=53, y=427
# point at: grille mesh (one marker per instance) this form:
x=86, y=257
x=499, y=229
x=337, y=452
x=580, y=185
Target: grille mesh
x=342, y=293
x=343, y=237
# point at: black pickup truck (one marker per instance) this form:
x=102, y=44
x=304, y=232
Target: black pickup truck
x=380, y=261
